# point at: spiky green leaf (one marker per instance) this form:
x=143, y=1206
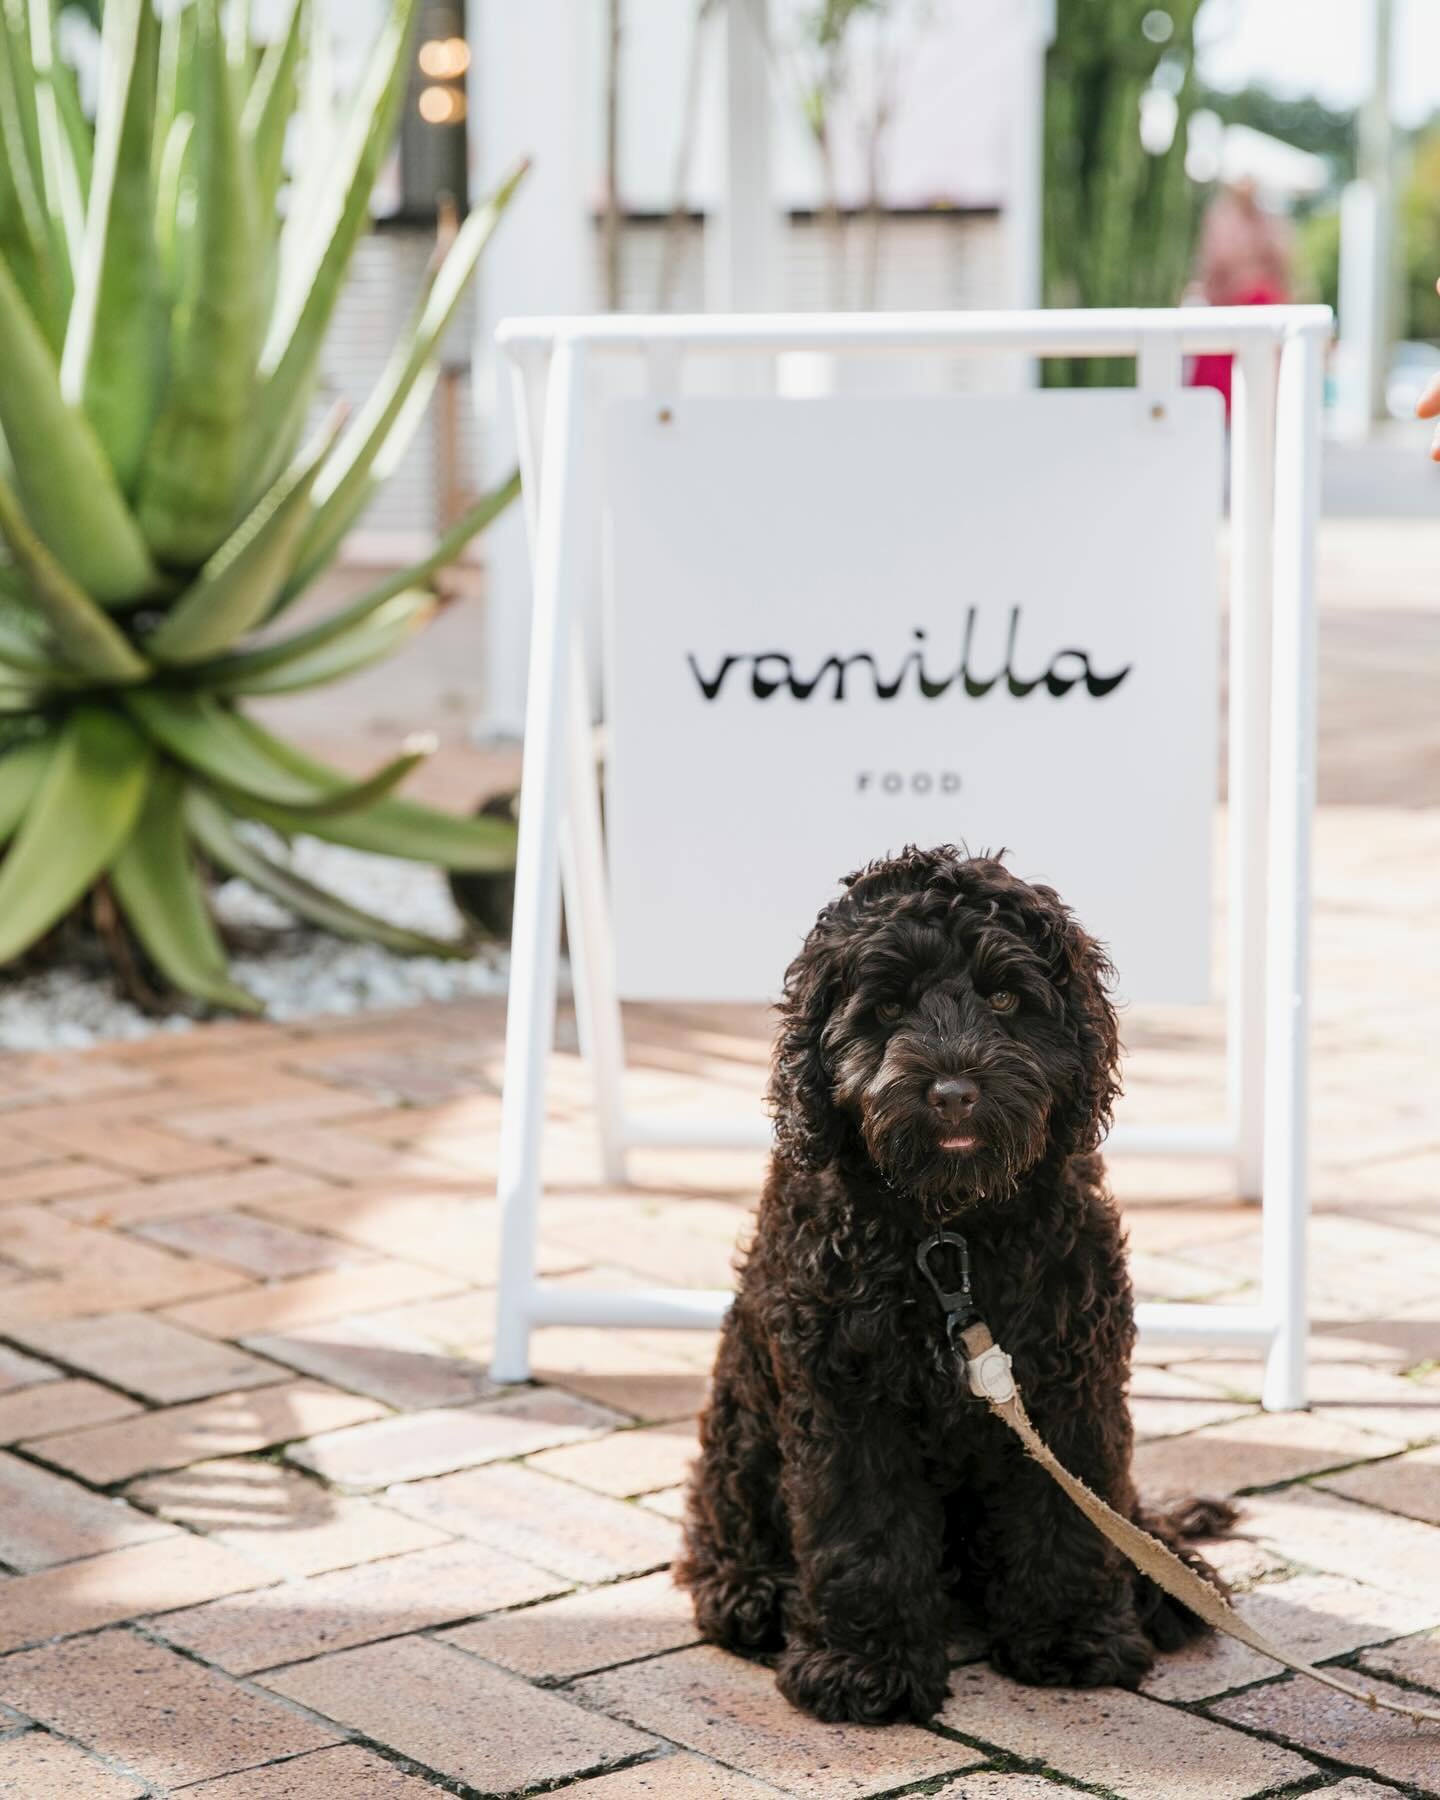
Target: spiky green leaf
x=269, y=107
x=158, y=887
x=15, y=28
x=175, y=206
x=83, y=810
x=115, y=340
x=61, y=182
x=214, y=830
x=237, y=755
x=25, y=242
x=22, y=640
x=450, y=545
x=237, y=587
x=175, y=81
x=64, y=479
x=313, y=266
x=382, y=430
x=197, y=464
x=76, y=126
x=27, y=651
x=369, y=640
x=407, y=830
x=22, y=769
x=86, y=638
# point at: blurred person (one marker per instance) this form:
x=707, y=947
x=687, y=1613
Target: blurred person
x=1244, y=259
x=1428, y=407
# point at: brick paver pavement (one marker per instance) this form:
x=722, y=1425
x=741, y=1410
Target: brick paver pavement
x=268, y=1532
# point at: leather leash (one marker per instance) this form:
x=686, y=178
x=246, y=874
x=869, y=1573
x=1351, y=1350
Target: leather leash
x=989, y=1377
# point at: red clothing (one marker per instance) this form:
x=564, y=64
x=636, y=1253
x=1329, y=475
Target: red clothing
x=1216, y=371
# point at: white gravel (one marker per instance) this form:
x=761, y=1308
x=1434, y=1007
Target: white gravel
x=297, y=971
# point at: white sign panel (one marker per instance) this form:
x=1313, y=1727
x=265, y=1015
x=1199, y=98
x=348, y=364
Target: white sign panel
x=838, y=626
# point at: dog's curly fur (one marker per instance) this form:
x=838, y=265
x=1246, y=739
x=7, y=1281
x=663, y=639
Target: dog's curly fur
x=849, y=1493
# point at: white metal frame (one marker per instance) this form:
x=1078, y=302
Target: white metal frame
x=1275, y=447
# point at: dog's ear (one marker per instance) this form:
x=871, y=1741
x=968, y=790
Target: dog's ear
x=807, y=1124
x=1082, y=974
x=1087, y=977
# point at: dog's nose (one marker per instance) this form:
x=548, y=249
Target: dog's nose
x=954, y=1096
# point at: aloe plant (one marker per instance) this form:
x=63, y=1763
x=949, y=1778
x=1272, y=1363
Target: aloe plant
x=162, y=317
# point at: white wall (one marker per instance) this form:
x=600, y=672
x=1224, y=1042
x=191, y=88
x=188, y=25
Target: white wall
x=949, y=145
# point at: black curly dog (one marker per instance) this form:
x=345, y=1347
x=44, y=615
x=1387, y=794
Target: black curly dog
x=946, y=1057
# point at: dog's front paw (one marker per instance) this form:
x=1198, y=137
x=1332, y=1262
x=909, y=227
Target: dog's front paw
x=739, y=1608
x=843, y=1688
x=1114, y=1656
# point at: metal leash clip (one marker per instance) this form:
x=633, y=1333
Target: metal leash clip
x=958, y=1304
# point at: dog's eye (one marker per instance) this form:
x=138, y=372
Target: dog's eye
x=888, y=1012
x=1003, y=1001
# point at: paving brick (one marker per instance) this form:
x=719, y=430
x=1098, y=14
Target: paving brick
x=17, y=1371
x=130, y=1147
x=169, y=1720
x=340, y=1154
x=243, y=1119
x=1408, y=1484
x=655, y=1394
x=17, y=1153
x=180, y=1570
x=72, y=1075
x=347, y=1773
x=670, y=1503
x=1164, y=1403
x=45, y=1519
x=36, y=1412
x=311, y=1299
x=1358, y=1788
x=462, y=1323
x=47, y=1181
x=1347, y=1731
x=678, y=1777
x=626, y=1463
x=38, y=1766
x=991, y=1784
x=1130, y=1746
x=149, y=1356
x=218, y=1191
x=584, y=1536
x=281, y=1518
x=452, y=1714
x=347, y=1607
x=372, y=1356
x=691, y=1244
x=1323, y=1531
x=442, y=1440
x=223, y=1425
x=586, y=1631
x=1416, y=1659
x=732, y=1710
x=47, y=1244
x=445, y=1230
x=1258, y=1451
x=1371, y=1399
x=81, y=1296
x=1314, y=1616
x=256, y=1247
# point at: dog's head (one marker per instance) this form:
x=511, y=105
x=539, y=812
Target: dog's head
x=949, y=1022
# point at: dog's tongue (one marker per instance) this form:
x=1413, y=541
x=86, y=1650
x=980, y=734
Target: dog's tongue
x=958, y=1143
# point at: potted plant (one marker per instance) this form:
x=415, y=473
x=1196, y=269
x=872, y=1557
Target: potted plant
x=161, y=506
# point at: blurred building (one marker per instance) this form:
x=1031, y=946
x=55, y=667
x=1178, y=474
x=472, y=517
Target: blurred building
x=944, y=73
